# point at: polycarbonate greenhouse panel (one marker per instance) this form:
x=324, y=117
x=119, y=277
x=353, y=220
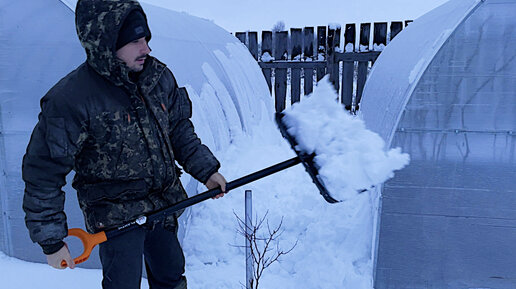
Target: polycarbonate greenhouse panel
x=448, y=219
x=39, y=46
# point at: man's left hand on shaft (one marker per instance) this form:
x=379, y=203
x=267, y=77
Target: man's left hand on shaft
x=217, y=180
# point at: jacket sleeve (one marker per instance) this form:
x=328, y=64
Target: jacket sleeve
x=195, y=158
x=48, y=159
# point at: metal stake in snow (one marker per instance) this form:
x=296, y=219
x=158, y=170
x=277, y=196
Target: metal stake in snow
x=248, y=223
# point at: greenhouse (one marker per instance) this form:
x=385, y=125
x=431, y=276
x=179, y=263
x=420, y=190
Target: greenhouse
x=444, y=90
x=201, y=55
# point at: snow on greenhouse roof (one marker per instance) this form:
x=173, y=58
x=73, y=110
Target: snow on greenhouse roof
x=402, y=63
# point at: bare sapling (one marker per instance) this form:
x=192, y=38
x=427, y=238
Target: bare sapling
x=264, y=246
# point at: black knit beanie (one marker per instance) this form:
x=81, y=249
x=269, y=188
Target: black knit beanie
x=134, y=27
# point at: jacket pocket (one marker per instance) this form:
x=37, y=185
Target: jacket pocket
x=119, y=146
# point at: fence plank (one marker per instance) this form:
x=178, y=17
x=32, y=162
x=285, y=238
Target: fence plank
x=361, y=80
x=396, y=28
x=241, y=36
x=296, y=38
x=308, y=40
x=336, y=45
x=365, y=37
x=267, y=43
x=253, y=44
x=308, y=54
x=321, y=49
x=365, y=32
x=358, y=56
x=333, y=66
x=379, y=36
x=295, y=85
x=280, y=75
x=350, y=38
x=348, y=67
x=338, y=30
x=290, y=64
x=267, y=53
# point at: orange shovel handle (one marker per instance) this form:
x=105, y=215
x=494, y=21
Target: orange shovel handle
x=89, y=241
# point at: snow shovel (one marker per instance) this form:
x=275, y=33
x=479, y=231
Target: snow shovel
x=89, y=241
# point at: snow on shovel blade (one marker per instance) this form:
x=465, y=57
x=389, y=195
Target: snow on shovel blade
x=306, y=159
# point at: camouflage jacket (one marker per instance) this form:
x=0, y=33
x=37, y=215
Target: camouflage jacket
x=121, y=138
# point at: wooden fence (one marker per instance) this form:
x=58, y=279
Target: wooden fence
x=293, y=59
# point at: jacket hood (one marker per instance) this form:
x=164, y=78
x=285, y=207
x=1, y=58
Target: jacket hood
x=98, y=23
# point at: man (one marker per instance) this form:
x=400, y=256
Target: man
x=120, y=122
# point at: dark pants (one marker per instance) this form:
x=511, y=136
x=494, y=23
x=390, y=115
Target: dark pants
x=121, y=259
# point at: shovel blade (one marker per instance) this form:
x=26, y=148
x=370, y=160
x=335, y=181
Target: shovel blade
x=306, y=159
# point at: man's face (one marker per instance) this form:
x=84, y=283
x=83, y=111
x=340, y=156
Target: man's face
x=134, y=54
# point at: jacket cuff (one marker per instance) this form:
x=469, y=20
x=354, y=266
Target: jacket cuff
x=52, y=248
x=210, y=172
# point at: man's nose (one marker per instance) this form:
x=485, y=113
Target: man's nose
x=145, y=49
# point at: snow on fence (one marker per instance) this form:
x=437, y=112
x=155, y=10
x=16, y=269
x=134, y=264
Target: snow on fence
x=288, y=59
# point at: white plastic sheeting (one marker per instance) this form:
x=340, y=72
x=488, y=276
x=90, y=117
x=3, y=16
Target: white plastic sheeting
x=38, y=46
x=444, y=91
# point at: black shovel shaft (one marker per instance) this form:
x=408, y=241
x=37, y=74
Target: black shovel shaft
x=159, y=215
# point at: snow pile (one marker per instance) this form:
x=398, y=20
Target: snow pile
x=349, y=157
x=17, y=274
x=334, y=241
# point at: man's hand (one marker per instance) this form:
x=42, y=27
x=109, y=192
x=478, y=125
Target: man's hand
x=63, y=254
x=217, y=180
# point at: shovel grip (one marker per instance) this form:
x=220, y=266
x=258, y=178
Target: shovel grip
x=89, y=241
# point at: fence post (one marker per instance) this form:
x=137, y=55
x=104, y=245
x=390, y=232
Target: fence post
x=249, y=264
x=280, y=74
x=365, y=31
x=308, y=54
x=379, y=36
x=396, y=28
x=365, y=36
x=332, y=66
x=267, y=49
x=253, y=44
x=348, y=67
x=321, y=50
x=296, y=40
x=242, y=37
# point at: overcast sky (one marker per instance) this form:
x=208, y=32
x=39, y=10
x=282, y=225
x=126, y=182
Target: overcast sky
x=242, y=15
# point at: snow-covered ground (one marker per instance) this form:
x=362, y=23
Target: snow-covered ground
x=17, y=274
x=333, y=242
